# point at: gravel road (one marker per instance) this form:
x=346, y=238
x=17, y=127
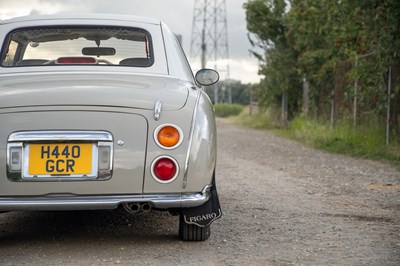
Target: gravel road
x=283, y=204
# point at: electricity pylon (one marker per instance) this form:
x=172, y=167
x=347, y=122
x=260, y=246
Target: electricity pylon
x=209, y=44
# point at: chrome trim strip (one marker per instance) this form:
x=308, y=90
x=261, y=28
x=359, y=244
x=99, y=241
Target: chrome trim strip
x=60, y=135
x=206, y=189
x=186, y=166
x=55, y=203
x=157, y=110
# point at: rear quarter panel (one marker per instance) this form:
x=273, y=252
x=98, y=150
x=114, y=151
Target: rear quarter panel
x=203, y=150
x=197, y=151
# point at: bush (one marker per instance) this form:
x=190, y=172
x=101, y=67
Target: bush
x=225, y=110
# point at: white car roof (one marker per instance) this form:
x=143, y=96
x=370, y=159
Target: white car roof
x=82, y=17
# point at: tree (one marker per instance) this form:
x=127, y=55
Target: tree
x=333, y=45
x=266, y=22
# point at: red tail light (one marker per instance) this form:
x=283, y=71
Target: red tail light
x=165, y=169
x=76, y=60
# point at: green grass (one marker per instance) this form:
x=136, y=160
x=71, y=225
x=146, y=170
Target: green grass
x=258, y=120
x=365, y=141
x=226, y=110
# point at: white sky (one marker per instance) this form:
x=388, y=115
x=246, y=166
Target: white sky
x=177, y=14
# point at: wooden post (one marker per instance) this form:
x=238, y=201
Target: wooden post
x=306, y=100
x=388, y=106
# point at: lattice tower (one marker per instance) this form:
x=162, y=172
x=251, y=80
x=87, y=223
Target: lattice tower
x=209, y=43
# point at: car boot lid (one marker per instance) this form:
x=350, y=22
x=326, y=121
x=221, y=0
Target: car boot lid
x=92, y=89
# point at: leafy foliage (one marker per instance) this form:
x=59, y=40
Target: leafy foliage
x=266, y=20
x=333, y=45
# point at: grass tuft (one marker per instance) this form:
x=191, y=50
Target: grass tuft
x=226, y=110
x=366, y=141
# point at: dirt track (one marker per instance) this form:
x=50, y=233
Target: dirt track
x=283, y=203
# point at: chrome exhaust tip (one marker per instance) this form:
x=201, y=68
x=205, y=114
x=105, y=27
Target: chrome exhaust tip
x=146, y=207
x=132, y=208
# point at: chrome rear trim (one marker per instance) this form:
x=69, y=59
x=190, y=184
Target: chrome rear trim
x=157, y=110
x=59, y=203
x=25, y=138
x=60, y=135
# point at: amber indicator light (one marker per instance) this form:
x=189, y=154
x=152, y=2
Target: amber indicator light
x=168, y=136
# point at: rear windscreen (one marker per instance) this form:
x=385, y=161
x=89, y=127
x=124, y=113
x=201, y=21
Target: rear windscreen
x=44, y=46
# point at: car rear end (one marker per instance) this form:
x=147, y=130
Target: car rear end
x=91, y=118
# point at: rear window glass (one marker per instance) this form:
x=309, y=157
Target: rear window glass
x=43, y=46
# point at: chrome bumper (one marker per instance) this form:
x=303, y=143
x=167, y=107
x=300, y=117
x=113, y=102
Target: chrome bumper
x=63, y=203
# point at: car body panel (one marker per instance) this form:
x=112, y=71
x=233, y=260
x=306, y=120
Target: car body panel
x=203, y=150
x=128, y=160
x=128, y=102
x=41, y=89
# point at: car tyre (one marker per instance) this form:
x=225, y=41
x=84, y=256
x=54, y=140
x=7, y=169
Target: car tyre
x=191, y=232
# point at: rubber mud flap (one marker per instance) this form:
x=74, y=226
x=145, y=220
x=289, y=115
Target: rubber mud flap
x=205, y=214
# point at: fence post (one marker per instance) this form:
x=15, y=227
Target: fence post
x=306, y=91
x=355, y=93
x=388, y=106
x=358, y=57
x=284, y=111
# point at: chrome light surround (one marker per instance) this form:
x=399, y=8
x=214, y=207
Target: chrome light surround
x=20, y=141
x=14, y=157
x=154, y=175
x=157, y=130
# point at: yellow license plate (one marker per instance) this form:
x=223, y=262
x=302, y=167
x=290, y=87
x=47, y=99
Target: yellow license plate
x=60, y=159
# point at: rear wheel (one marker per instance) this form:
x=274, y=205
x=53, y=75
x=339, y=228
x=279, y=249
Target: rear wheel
x=191, y=232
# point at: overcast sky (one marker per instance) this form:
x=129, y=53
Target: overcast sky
x=177, y=14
